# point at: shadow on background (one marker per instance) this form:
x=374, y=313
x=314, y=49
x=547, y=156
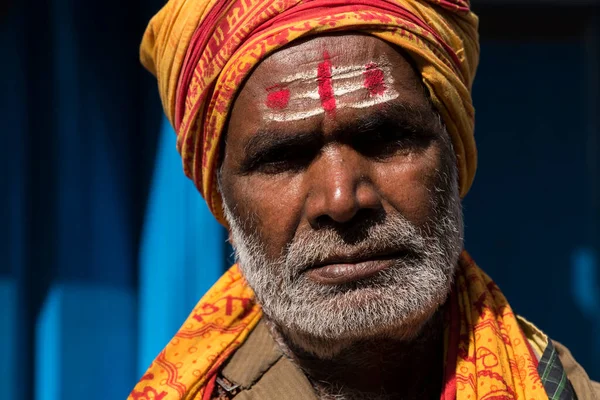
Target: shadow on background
x=105, y=246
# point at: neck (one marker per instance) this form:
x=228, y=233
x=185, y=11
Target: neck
x=380, y=368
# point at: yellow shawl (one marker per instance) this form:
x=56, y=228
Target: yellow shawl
x=488, y=356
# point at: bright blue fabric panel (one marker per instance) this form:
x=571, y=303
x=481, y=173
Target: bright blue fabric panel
x=585, y=289
x=85, y=334
x=585, y=285
x=182, y=252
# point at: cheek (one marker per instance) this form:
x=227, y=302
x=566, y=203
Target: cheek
x=273, y=205
x=408, y=186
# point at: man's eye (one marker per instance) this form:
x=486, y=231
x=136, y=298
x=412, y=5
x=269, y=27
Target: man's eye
x=381, y=146
x=283, y=163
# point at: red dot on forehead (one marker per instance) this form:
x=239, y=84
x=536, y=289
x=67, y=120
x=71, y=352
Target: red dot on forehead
x=277, y=97
x=374, y=79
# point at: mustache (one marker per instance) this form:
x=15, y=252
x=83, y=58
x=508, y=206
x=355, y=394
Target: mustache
x=388, y=235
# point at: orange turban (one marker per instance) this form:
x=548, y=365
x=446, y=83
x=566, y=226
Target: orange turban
x=201, y=51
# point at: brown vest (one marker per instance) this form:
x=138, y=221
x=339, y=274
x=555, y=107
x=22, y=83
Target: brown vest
x=259, y=371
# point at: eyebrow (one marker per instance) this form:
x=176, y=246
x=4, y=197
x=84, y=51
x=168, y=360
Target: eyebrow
x=267, y=143
x=270, y=141
x=407, y=117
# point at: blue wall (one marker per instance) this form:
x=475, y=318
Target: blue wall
x=182, y=252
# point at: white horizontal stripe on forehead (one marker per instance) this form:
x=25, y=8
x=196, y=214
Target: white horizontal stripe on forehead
x=342, y=88
x=300, y=76
x=301, y=115
x=337, y=72
x=389, y=95
x=309, y=94
x=294, y=116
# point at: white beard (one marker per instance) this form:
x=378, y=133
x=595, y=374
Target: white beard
x=395, y=303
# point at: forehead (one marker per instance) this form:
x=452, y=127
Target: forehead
x=344, y=51
x=325, y=80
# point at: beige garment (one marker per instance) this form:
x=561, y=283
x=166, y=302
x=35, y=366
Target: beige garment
x=585, y=388
x=260, y=371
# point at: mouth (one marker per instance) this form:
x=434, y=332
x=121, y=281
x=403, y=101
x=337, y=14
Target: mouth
x=345, y=269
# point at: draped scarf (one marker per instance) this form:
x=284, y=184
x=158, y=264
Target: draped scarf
x=487, y=354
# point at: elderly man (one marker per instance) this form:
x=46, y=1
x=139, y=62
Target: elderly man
x=334, y=138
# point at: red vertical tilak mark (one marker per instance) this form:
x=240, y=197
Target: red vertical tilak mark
x=277, y=97
x=325, y=84
x=374, y=79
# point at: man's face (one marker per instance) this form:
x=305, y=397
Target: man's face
x=340, y=188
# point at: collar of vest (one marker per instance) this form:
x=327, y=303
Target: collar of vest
x=259, y=370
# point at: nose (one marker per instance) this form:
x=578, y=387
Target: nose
x=339, y=188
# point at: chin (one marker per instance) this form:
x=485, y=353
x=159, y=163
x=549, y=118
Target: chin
x=327, y=325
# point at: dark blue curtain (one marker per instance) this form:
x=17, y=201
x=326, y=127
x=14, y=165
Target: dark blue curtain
x=80, y=122
x=533, y=216
x=105, y=247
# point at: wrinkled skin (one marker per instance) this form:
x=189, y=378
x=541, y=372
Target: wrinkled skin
x=293, y=167
x=340, y=181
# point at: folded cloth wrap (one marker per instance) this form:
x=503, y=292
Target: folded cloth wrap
x=202, y=50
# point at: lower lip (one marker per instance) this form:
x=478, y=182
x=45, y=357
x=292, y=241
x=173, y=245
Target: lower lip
x=337, y=274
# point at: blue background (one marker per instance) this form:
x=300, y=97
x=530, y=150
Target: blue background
x=105, y=247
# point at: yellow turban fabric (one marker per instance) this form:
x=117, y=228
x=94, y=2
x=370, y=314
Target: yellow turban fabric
x=202, y=50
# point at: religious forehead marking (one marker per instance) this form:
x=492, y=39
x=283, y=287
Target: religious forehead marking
x=335, y=87
x=278, y=97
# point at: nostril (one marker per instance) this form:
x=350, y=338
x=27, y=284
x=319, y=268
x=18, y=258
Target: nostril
x=355, y=229
x=323, y=222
